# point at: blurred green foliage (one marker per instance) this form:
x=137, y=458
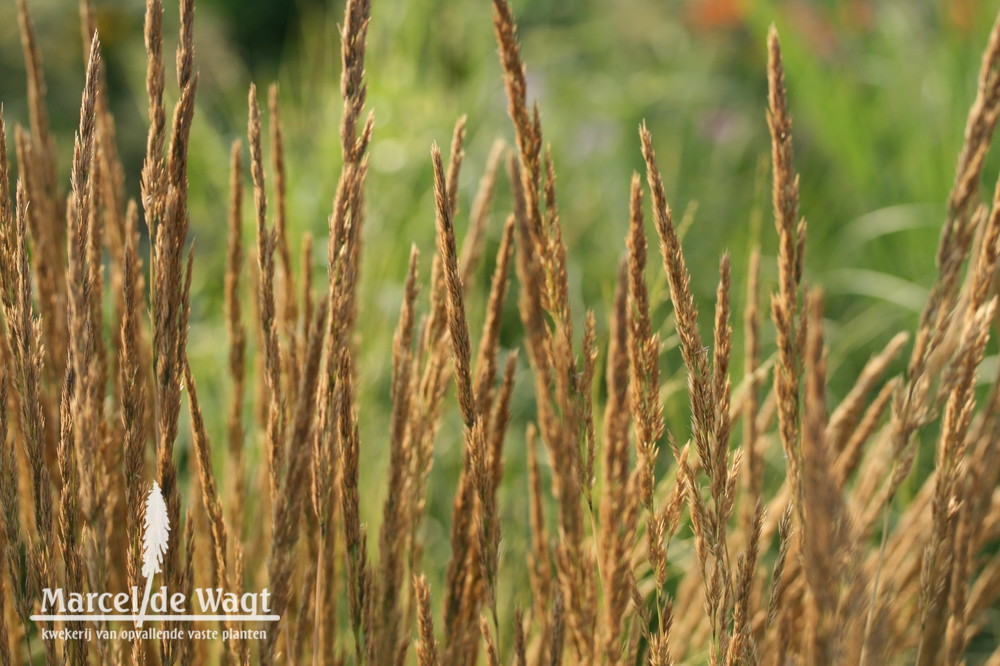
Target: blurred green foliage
x=879, y=92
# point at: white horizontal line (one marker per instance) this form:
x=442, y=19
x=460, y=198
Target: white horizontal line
x=151, y=618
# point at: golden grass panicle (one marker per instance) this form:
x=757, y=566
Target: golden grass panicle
x=520, y=642
x=489, y=341
x=779, y=582
x=464, y=563
x=153, y=185
x=938, y=330
x=286, y=276
x=182, y=650
x=456, y=155
x=533, y=318
x=289, y=500
x=560, y=399
x=844, y=419
x=458, y=324
x=338, y=427
x=266, y=245
x=133, y=389
x=586, y=409
x=187, y=82
x=539, y=557
x=5, y=652
x=791, y=232
x=742, y=645
x=68, y=519
x=48, y=261
x=960, y=227
x=170, y=286
x=427, y=645
x=36, y=154
x=527, y=132
x=618, y=502
x=429, y=387
x=939, y=560
x=499, y=421
x=359, y=583
x=308, y=299
x=487, y=519
x=82, y=352
x=23, y=333
x=555, y=645
x=982, y=270
x=753, y=478
x=236, y=334
x=354, y=41
x=722, y=478
x=6, y=211
x=392, y=537
x=709, y=389
x=461, y=601
x=41, y=136
x=851, y=452
x=685, y=312
x=133, y=402
x=472, y=245
x=212, y=503
x=10, y=505
x=824, y=534
x=957, y=637
x=492, y=658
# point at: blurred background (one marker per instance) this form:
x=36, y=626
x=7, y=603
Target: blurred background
x=879, y=92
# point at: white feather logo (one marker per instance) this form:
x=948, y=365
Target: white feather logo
x=154, y=541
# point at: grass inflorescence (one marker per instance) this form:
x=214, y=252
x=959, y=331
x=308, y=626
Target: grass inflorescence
x=649, y=540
